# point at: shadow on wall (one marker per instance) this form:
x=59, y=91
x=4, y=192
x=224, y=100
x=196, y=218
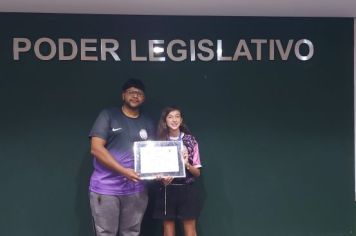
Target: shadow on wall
x=202, y=189
x=150, y=226
x=85, y=227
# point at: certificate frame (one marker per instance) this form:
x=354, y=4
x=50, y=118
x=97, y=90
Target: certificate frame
x=159, y=158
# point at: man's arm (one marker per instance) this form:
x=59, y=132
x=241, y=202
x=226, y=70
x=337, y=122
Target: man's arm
x=100, y=152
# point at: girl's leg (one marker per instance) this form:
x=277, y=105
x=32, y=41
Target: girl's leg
x=168, y=228
x=189, y=227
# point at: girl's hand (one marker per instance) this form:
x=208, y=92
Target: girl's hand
x=166, y=180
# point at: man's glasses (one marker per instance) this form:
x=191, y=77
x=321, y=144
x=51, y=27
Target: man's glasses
x=135, y=92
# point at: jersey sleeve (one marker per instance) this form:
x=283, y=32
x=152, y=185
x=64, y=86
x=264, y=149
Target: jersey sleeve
x=101, y=127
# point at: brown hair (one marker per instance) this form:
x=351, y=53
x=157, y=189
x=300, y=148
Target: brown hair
x=162, y=130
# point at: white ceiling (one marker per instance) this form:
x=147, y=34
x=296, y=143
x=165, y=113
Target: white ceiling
x=309, y=8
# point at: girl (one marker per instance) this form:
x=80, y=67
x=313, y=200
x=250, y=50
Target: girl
x=178, y=198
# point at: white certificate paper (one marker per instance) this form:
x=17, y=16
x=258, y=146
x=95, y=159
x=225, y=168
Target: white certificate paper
x=159, y=158
x=155, y=159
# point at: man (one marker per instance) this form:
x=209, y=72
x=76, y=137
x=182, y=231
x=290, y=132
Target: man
x=118, y=198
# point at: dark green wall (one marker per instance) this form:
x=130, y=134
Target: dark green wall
x=276, y=137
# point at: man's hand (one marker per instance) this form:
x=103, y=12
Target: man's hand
x=131, y=175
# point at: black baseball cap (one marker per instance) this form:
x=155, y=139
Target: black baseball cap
x=132, y=82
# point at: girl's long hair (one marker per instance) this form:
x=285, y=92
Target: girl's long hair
x=162, y=130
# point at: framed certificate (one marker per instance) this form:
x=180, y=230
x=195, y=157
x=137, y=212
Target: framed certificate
x=159, y=158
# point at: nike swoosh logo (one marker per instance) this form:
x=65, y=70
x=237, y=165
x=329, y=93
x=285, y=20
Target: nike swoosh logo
x=116, y=129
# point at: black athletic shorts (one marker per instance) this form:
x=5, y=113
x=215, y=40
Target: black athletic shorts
x=176, y=202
